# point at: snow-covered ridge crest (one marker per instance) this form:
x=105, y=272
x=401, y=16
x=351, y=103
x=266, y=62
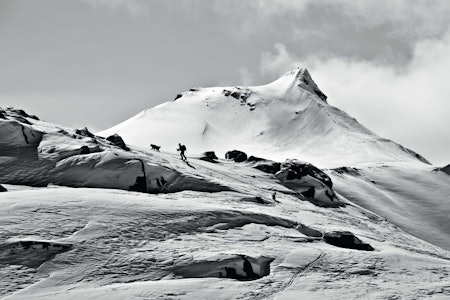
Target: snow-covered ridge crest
x=303, y=79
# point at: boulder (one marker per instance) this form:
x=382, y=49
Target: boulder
x=85, y=150
x=294, y=169
x=307, y=180
x=2, y=189
x=236, y=155
x=346, y=239
x=209, y=156
x=117, y=140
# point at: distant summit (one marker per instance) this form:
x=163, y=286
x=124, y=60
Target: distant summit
x=303, y=79
x=287, y=118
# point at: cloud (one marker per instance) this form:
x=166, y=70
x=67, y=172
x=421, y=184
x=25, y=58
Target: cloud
x=134, y=7
x=409, y=106
x=384, y=31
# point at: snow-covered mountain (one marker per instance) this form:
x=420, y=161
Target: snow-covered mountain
x=288, y=118
x=349, y=215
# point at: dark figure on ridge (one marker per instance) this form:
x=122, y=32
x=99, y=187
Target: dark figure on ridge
x=182, y=149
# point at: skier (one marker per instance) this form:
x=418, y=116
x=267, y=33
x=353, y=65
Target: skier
x=182, y=149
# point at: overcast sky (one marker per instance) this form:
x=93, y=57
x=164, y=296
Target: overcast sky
x=96, y=63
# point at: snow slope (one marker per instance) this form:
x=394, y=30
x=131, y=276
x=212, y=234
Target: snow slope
x=288, y=118
x=128, y=245
x=84, y=217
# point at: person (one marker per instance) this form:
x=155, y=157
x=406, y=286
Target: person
x=182, y=149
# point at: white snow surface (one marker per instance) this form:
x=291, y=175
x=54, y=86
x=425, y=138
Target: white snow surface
x=284, y=119
x=72, y=228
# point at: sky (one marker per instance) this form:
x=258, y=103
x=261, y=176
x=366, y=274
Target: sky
x=96, y=63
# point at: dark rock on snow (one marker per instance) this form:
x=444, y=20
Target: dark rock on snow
x=271, y=168
x=209, y=156
x=236, y=155
x=252, y=158
x=84, y=132
x=20, y=113
x=445, y=169
x=346, y=239
x=85, y=150
x=118, y=141
x=309, y=193
x=239, y=267
x=3, y=189
x=297, y=170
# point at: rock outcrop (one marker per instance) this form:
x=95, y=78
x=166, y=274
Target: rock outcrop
x=236, y=155
x=346, y=239
x=117, y=140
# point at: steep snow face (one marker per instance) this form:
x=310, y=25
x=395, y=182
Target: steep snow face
x=288, y=118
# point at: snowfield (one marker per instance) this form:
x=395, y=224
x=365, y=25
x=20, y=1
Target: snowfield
x=318, y=207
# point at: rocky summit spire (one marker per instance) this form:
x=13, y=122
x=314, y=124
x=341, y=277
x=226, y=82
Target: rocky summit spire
x=303, y=79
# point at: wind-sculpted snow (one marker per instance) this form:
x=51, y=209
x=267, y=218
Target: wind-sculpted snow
x=30, y=253
x=240, y=267
x=37, y=153
x=134, y=245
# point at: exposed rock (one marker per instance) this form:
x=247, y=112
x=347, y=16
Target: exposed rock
x=31, y=253
x=17, y=113
x=306, y=82
x=115, y=139
x=252, y=158
x=177, y=97
x=304, y=179
x=271, y=168
x=84, y=132
x=445, y=169
x=347, y=170
x=141, y=182
x=236, y=155
x=22, y=120
x=239, y=267
x=85, y=150
x=209, y=156
x=238, y=93
x=297, y=170
x=309, y=193
x=258, y=200
x=2, y=189
x=346, y=239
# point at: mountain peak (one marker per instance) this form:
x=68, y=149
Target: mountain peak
x=302, y=78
